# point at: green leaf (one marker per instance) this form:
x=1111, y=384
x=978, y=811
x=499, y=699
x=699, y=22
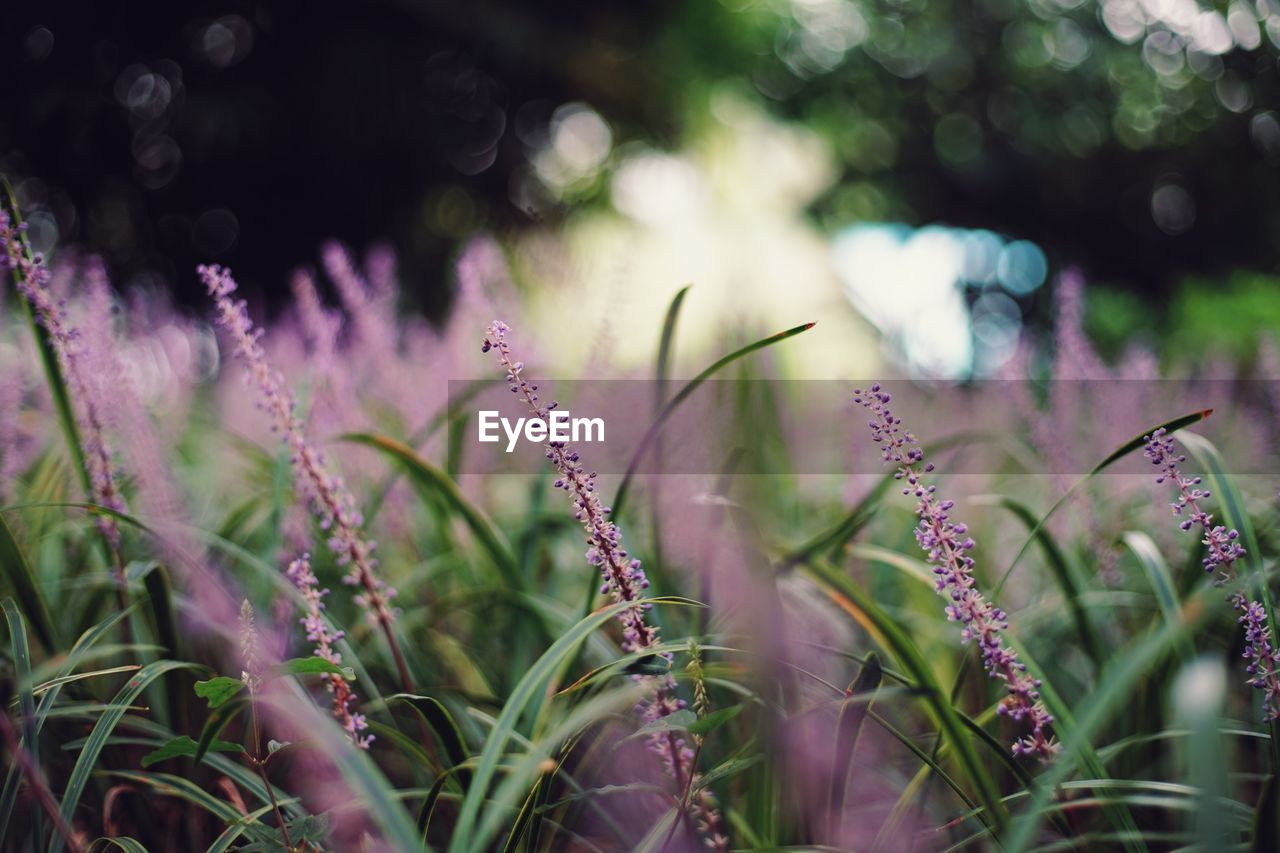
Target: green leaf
x=186, y=746
x=311, y=666
x=714, y=720
x=219, y=690
x=683, y=394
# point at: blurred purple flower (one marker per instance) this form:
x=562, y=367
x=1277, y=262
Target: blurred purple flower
x=947, y=544
x=31, y=277
x=332, y=504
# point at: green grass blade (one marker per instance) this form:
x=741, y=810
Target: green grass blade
x=667, y=341
x=102, y=731
x=464, y=835
x=683, y=394
x=27, y=705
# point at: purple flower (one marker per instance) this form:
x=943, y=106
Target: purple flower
x=947, y=544
x=324, y=638
x=331, y=503
x=1222, y=549
x=623, y=579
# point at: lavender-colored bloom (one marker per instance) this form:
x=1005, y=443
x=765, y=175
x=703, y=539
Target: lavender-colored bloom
x=1222, y=549
x=32, y=281
x=370, y=313
x=332, y=504
x=325, y=638
x=947, y=544
x=623, y=579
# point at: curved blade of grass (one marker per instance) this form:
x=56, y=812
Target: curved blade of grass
x=1158, y=575
x=1116, y=455
x=102, y=730
x=22, y=580
x=525, y=691
x=436, y=481
x=1062, y=573
x=437, y=717
x=848, y=727
x=667, y=340
x=855, y=601
x=680, y=396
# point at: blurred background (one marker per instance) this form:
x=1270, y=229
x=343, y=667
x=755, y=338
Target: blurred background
x=915, y=174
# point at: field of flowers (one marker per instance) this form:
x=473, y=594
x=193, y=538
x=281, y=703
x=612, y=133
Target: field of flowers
x=255, y=598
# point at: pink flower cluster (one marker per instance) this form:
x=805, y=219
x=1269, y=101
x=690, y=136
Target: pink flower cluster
x=947, y=544
x=325, y=638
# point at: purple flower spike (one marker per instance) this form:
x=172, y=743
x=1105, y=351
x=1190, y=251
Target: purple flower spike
x=625, y=580
x=1222, y=549
x=948, y=544
x=324, y=638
